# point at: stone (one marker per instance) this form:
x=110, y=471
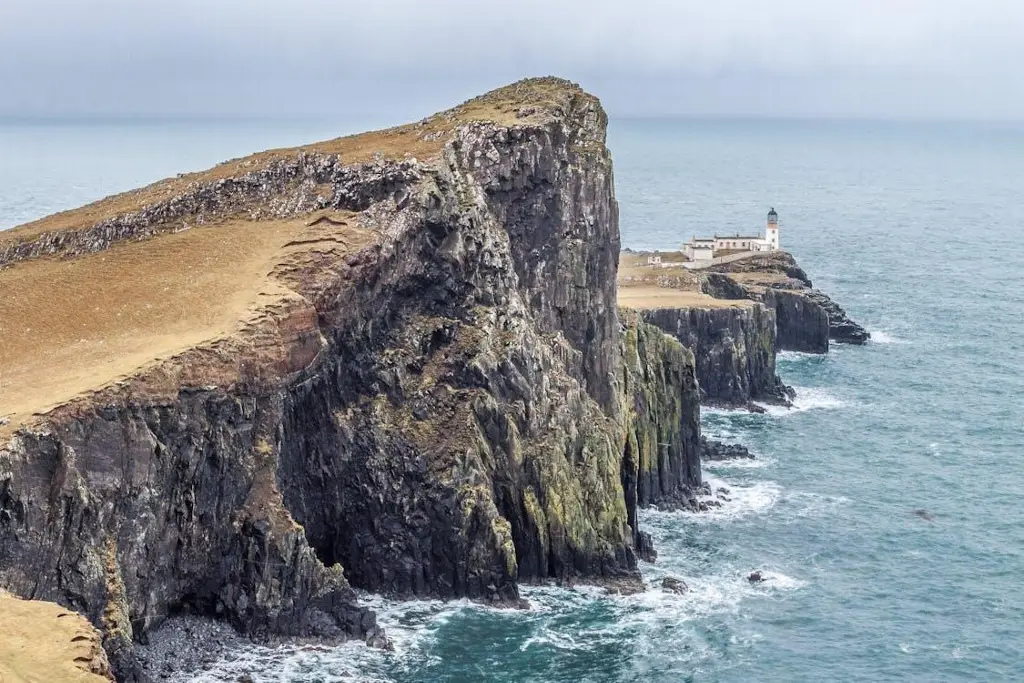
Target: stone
x=734, y=348
x=755, y=577
x=443, y=413
x=806, y=318
x=925, y=515
x=716, y=450
x=674, y=585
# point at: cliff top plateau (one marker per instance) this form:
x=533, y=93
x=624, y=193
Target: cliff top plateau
x=94, y=295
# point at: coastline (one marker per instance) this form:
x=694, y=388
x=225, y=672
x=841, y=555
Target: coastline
x=404, y=312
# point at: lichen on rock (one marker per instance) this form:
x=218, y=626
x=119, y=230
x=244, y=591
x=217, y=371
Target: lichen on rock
x=429, y=398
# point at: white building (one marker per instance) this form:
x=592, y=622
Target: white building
x=654, y=260
x=705, y=248
x=700, y=249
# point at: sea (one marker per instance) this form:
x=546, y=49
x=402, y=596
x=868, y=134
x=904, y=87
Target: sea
x=885, y=509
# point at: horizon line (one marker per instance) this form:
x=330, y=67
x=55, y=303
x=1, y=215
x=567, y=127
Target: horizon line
x=97, y=118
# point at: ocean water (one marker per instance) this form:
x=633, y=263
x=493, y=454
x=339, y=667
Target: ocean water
x=918, y=230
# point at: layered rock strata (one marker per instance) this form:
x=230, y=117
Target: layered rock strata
x=734, y=350
x=661, y=458
x=430, y=396
x=806, y=317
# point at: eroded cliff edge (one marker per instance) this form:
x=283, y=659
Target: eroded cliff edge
x=423, y=390
x=735, y=318
x=807, y=318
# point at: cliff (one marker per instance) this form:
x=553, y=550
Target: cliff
x=733, y=339
x=801, y=324
x=391, y=361
x=661, y=459
x=734, y=346
x=807, y=318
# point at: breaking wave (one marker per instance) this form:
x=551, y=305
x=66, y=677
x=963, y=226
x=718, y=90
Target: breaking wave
x=883, y=337
x=807, y=398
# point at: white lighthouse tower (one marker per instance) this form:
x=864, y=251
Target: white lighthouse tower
x=771, y=233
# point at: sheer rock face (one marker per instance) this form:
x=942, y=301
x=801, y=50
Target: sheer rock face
x=806, y=317
x=734, y=348
x=467, y=435
x=441, y=413
x=661, y=461
x=801, y=324
x=840, y=327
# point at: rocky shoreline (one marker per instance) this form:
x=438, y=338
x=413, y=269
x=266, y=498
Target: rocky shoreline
x=716, y=450
x=443, y=399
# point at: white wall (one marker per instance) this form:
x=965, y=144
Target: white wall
x=701, y=253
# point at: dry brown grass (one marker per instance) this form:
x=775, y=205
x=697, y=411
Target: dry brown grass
x=521, y=103
x=70, y=326
x=648, y=297
x=42, y=641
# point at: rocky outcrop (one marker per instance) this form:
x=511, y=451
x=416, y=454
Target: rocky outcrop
x=774, y=262
x=801, y=323
x=711, y=449
x=661, y=458
x=447, y=412
x=840, y=327
x=130, y=513
x=806, y=317
x=734, y=350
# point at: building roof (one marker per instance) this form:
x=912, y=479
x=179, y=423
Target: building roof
x=738, y=237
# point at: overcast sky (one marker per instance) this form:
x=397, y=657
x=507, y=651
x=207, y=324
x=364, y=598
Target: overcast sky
x=405, y=58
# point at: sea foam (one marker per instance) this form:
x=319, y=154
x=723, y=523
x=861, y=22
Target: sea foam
x=807, y=398
x=883, y=337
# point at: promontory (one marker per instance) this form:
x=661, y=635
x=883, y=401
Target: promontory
x=392, y=362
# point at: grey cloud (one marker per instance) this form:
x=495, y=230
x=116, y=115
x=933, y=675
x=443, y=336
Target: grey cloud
x=853, y=57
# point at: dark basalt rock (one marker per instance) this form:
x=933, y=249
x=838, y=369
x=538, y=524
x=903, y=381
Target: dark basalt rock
x=464, y=414
x=716, y=450
x=674, y=585
x=840, y=327
x=734, y=348
x=755, y=577
x=925, y=515
x=806, y=317
x=661, y=458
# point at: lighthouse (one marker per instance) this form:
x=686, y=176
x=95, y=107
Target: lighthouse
x=771, y=232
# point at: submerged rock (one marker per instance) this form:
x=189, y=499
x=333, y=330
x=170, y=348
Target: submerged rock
x=925, y=515
x=755, y=577
x=716, y=450
x=674, y=585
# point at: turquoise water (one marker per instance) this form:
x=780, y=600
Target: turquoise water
x=919, y=232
